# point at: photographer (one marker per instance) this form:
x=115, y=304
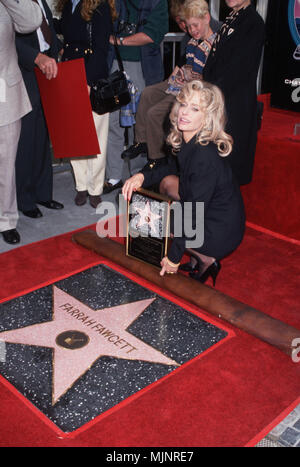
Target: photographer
x=140, y=29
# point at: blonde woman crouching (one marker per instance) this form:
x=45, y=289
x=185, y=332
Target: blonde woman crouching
x=199, y=172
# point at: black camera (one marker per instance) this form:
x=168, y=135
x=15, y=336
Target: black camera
x=127, y=28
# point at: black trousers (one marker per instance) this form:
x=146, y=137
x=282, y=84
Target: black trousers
x=34, y=175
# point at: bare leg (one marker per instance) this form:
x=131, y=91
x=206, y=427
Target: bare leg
x=170, y=186
x=205, y=260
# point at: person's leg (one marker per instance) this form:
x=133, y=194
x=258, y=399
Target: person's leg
x=169, y=186
x=96, y=166
x=150, y=96
x=200, y=266
x=25, y=161
x=151, y=118
x=42, y=170
x=9, y=137
x=156, y=127
x=115, y=145
x=34, y=174
x=80, y=168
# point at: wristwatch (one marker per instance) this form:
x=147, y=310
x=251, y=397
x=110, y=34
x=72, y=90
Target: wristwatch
x=121, y=39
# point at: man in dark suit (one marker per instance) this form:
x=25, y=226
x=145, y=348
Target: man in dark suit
x=34, y=177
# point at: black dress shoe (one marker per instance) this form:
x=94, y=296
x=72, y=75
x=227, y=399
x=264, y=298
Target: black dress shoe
x=108, y=187
x=95, y=200
x=33, y=213
x=51, y=204
x=134, y=151
x=11, y=236
x=81, y=198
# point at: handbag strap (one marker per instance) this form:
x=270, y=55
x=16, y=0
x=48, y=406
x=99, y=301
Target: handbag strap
x=118, y=56
x=90, y=39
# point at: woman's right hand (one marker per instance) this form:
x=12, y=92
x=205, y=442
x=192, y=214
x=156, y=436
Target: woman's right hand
x=132, y=184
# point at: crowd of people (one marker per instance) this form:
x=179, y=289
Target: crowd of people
x=197, y=127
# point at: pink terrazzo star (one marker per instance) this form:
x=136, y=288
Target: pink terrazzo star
x=80, y=335
x=147, y=217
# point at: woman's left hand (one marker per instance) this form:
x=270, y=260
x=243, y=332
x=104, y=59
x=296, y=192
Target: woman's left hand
x=166, y=268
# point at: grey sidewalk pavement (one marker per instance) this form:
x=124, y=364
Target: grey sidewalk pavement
x=286, y=433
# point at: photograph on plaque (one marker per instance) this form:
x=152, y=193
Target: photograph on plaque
x=148, y=216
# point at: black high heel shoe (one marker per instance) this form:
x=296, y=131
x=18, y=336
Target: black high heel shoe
x=190, y=267
x=212, y=271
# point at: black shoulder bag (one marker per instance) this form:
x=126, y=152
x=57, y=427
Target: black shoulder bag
x=109, y=94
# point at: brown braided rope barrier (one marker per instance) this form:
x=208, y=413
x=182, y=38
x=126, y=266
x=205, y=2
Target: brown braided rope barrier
x=250, y=320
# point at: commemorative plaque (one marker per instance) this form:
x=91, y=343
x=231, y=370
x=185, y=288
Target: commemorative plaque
x=148, y=224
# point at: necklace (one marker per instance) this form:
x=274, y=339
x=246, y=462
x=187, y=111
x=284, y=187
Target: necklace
x=225, y=28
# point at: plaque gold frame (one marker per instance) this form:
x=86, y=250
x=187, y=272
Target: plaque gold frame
x=160, y=245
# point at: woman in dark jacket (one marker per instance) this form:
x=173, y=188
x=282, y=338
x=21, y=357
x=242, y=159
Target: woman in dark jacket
x=86, y=26
x=204, y=176
x=233, y=65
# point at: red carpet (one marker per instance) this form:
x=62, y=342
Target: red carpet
x=272, y=198
x=232, y=396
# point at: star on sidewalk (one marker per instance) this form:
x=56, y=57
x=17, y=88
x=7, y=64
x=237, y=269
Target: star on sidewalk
x=80, y=335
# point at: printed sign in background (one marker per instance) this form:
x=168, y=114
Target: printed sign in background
x=284, y=38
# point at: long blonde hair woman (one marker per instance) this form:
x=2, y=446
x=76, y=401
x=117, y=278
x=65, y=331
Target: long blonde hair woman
x=211, y=104
x=88, y=7
x=199, y=173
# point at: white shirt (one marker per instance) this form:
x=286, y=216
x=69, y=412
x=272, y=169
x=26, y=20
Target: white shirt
x=74, y=4
x=43, y=44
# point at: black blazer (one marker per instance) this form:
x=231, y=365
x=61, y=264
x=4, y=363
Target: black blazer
x=205, y=176
x=233, y=68
x=28, y=48
x=77, y=41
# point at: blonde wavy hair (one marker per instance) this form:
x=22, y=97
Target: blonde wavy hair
x=88, y=7
x=211, y=103
x=194, y=9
